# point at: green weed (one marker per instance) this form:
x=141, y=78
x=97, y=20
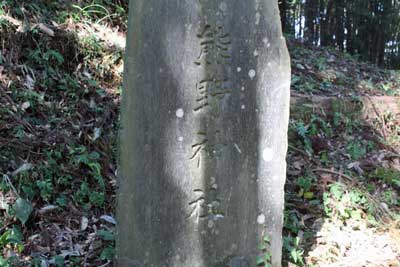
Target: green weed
x=344, y=204
x=292, y=246
x=264, y=259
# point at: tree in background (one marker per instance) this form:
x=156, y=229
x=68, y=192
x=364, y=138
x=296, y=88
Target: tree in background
x=367, y=28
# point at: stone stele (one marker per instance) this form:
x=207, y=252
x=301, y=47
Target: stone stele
x=203, y=137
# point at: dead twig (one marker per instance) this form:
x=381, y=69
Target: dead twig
x=334, y=172
x=7, y=180
x=379, y=116
x=299, y=150
x=393, y=155
x=15, y=116
x=309, y=157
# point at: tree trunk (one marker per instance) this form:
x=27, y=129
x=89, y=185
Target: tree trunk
x=339, y=24
x=204, y=134
x=309, y=22
x=283, y=9
x=326, y=25
x=350, y=27
x=311, y=17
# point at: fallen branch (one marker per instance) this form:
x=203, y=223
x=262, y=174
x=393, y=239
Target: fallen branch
x=45, y=29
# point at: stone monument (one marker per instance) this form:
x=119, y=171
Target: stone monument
x=203, y=139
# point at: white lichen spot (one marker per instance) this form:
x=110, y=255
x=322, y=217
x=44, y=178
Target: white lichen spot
x=261, y=219
x=180, y=138
x=210, y=224
x=268, y=154
x=242, y=88
x=258, y=18
x=239, y=69
x=255, y=53
x=243, y=107
x=252, y=74
x=180, y=113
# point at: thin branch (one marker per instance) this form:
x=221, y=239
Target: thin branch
x=334, y=172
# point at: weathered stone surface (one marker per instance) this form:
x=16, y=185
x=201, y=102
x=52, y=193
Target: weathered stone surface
x=204, y=134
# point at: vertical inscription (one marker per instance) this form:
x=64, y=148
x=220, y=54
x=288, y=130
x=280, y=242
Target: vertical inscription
x=211, y=88
x=214, y=46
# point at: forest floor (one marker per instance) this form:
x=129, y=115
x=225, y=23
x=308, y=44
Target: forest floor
x=60, y=82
